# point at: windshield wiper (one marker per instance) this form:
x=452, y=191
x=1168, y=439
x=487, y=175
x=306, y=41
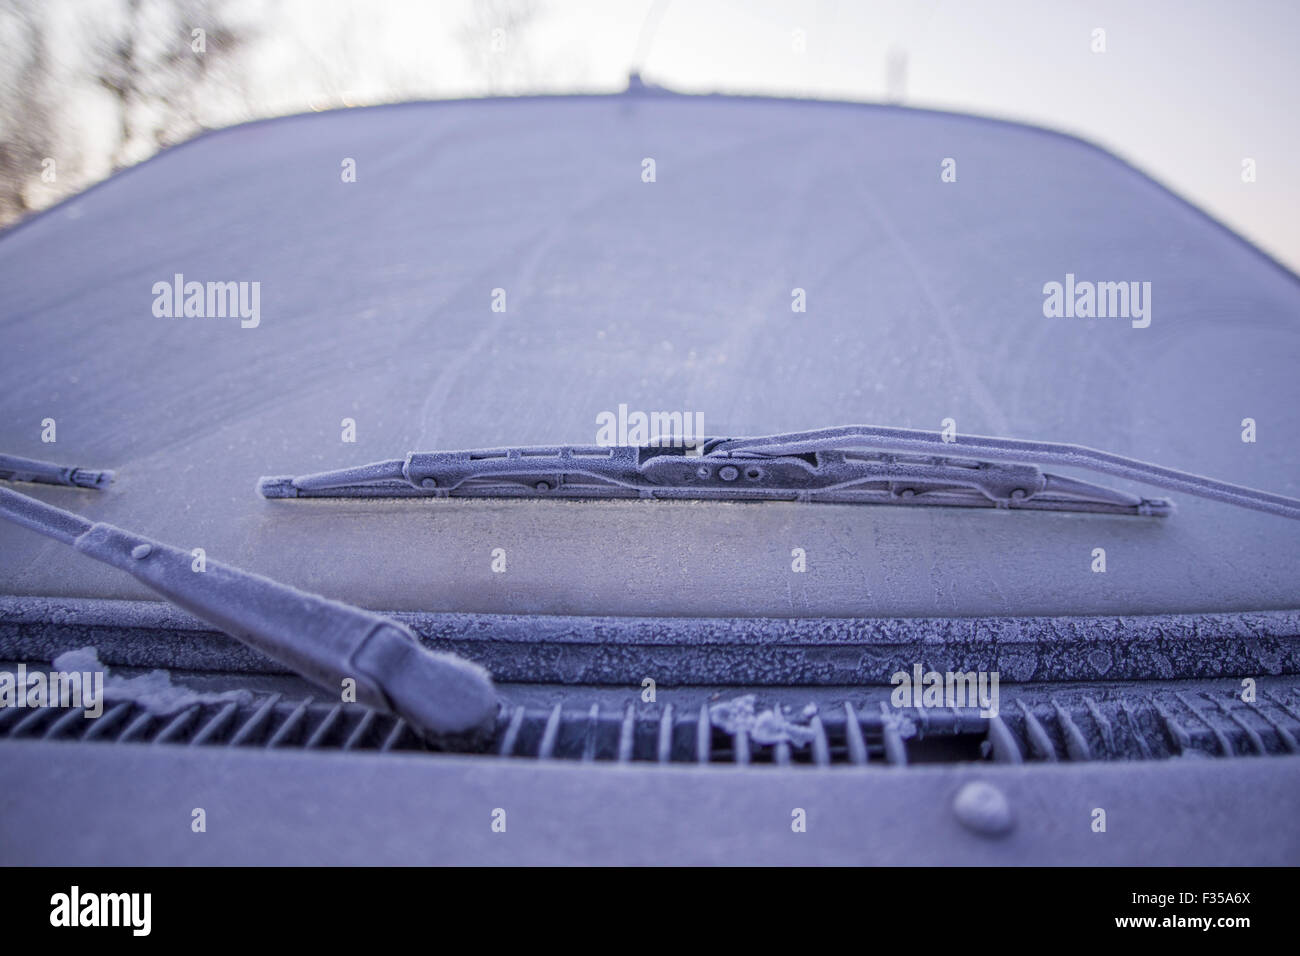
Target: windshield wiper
x=854, y=463
x=13, y=468
x=324, y=641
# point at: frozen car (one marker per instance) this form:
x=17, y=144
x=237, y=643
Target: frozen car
x=720, y=674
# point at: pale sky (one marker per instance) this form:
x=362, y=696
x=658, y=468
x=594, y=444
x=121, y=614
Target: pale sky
x=1184, y=90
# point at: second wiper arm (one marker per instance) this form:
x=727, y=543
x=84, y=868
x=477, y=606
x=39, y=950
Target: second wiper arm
x=14, y=468
x=913, y=441
x=856, y=463
x=324, y=641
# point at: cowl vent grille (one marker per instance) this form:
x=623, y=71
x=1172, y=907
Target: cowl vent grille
x=270, y=721
x=1078, y=724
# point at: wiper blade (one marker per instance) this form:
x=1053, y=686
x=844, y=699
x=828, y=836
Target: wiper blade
x=855, y=463
x=14, y=468
x=668, y=473
x=1030, y=452
x=324, y=641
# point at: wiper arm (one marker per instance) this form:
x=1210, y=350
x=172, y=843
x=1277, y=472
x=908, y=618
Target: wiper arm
x=856, y=463
x=324, y=641
x=13, y=468
x=1020, y=450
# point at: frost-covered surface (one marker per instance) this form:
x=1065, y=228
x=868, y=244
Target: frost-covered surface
x=154, y=691
x=768, y=725
x=924, y=302
x=746, y=651
x=280, y=807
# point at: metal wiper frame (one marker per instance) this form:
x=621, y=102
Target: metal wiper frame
x=854, y=463
x=326, y=642
x=15, y=468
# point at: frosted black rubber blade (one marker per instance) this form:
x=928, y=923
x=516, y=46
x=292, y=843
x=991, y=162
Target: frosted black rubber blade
x=325, y=641
x=1059, y=454
x=855, y=464
x=14, y=468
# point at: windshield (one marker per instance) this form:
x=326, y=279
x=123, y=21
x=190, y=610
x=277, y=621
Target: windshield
x=315, y=293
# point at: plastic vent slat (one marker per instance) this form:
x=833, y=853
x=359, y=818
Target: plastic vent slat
x=253, y=724
x=821, y=744
x=1252, y=735
x=56, y=729
x=1135, y=730
x=665, y=749
x=1179, y=737
x=1285, y=736
x=703, y=735
x=290, y=724
x=627, y=734
x=30, y=721
x=853, y=732
x=1225, y=746
x=740, y=748
x=781, y=754
x=177, y=725
x=551, y=735
x=136, y=727
x=112, y=718
x=1120, y=724
x=215, y=724
x=322, y=730
x=1076, y=746
x=590, y=738
x=512, y=733
x=1040, y=743
x=359, y=732
x=894, y=751
x=394, y=735
x=1103, y=724
x=1003, y=743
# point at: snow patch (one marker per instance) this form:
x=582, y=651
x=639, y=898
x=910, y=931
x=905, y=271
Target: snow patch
x=154, y=691
x=771, y=726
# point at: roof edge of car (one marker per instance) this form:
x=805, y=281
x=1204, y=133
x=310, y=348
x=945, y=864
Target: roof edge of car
x=650, y=92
